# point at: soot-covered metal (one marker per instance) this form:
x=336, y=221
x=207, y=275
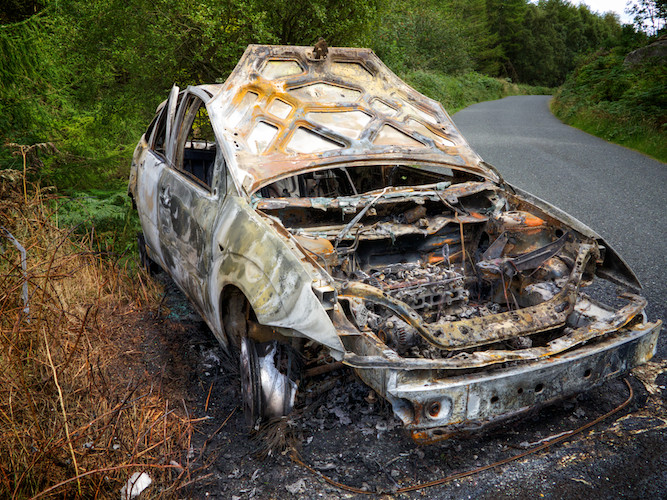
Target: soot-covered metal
x=316, y=207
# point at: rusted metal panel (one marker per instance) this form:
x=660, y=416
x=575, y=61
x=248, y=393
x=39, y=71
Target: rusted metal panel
x=285, y=112
x=471, y=402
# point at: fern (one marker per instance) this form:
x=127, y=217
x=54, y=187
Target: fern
x=105, y=215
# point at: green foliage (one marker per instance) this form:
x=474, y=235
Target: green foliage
x=542, y=42
x=623, y=104
x=300, y=22
x=25, y=67
x=506, y=19
x=457, y=92
x=482, y=41
x=106, y=216
x=39, y=105
x=536, y=43
x=417, y=35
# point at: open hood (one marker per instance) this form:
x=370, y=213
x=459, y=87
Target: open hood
x=286, y=111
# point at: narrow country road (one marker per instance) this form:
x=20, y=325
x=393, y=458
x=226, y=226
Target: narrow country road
x=622, y=195
x=619, y=193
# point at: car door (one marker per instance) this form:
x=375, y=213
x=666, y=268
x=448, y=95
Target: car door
x=189, y=198
x=149, y=171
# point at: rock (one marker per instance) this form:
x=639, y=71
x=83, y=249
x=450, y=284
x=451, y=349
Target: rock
x=297, y=487
x=656, y=52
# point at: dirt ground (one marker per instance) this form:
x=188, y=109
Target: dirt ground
x=347, y=434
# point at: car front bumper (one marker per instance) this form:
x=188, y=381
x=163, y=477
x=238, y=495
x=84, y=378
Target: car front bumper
x=434, y=404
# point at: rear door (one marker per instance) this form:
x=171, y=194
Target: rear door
x=149, y=171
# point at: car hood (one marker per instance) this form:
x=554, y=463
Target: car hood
x=284, y=111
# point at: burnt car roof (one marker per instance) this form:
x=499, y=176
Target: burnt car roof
x=284, y=111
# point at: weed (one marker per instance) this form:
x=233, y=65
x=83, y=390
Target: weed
x=105, y=216
x=77, y=413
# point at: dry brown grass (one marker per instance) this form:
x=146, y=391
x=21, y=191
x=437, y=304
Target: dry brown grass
x=78, y=411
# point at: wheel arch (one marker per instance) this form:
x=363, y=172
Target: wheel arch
x=275, y=305
x=232, y=295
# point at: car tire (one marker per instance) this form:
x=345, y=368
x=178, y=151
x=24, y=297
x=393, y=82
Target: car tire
x=251, y=386
x=260, y=364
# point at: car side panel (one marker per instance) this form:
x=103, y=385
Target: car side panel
x=272, y=273
x=186, y=214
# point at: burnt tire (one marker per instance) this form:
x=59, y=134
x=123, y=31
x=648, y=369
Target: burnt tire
x=251, y=386
x=268, y=370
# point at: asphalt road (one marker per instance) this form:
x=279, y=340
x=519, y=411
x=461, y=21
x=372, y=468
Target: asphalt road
x=622, y=195
x=618, y=192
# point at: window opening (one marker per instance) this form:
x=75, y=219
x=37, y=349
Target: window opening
x=196, y=151
x=151, y=127
x=158, y=144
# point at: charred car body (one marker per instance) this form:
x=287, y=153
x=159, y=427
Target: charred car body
x=316, y=204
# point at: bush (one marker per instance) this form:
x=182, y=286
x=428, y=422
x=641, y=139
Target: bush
x=78, y=413
x=623, y=104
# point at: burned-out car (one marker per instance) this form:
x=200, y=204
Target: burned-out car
x=316, y=209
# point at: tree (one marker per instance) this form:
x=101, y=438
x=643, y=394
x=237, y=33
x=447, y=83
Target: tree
x=483, y=44
x=302, y=22
x=506, y=19
x=423, y=35
x=649, y=15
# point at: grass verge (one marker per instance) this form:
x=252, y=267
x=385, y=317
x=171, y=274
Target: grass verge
x=625, y=129
x=78, y=412
x=621, y=103
x=456, y=92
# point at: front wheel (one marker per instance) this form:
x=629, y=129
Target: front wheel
x=269, y=371
x=251, y=386
x=268, y=381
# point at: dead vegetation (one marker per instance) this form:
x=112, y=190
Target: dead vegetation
x=79, y=412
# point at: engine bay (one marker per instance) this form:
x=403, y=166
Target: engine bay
x=455, y=250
